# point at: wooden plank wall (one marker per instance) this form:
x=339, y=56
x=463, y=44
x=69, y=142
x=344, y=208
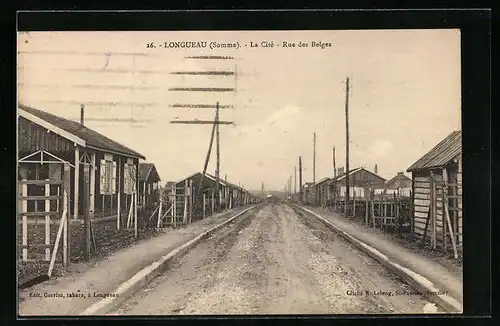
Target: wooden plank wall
x=32, y=137
x=422, y=204
x=459, y=179
x=440, y=218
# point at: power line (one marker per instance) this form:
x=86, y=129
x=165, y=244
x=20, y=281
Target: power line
x=202, y=122
x=347, y=147
x=203, y=73
x=87, y=86
x=59, y=52
x=102, y=103
x=211, y=57
x=201, y=89
x=200, y=106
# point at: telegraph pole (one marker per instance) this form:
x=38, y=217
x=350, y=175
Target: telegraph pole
x=334, y=166
x=300, y=178
x=314, y=157
x=215, y=123
x=295, y=180
x=347, y=147
x=217, y=194
x=226, y=193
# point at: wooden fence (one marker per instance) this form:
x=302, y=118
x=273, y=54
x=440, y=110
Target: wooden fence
x=49, y=208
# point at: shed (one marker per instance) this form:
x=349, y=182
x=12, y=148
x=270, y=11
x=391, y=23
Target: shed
x=322, y=191
x=148, y=186
x=308, y=193
x=359, y=179
x=208, y=184
x=437, y=193
x=230, y=195
x=46, y=141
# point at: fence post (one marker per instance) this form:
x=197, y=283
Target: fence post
x=433, y=212
x=354, y=202
x=204, y=204
x=66, y=231
x=190, y=201
x=159, y=210
x=367, y=200
x=24, y=209
x=118, y=199
x=445, y=235
x=185, y=211
x=174, y=207
x=135, y=214
x=372, y=195
x=47, y=221
x=213, y=202
x=86, y=216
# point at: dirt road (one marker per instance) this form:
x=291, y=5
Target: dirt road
x=274, y=262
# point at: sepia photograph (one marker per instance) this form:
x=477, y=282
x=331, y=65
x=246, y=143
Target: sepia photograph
x=291, y=172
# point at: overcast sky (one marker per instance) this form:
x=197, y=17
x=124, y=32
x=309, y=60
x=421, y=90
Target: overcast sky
x=405, y=97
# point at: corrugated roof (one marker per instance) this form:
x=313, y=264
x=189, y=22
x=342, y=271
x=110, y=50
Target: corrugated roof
x=92, y=138
x=443, y=153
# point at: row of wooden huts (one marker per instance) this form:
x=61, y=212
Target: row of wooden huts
x=325, y=191
x=66, y=169
x=434, y=191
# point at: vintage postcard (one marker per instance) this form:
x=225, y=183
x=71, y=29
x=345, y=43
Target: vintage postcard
x=239, y=172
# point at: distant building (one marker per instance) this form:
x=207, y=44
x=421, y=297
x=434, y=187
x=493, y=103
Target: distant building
x=359, y=180
x=398, y=182
x=361, y=177
x=322, y=191
x=148, y=186
x=169, y=185
x=308, y=193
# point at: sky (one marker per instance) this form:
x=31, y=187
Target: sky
x=405, y=96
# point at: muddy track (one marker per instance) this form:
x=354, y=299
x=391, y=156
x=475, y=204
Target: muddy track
x=276, y=261
x=328, y=236
x=223, y=240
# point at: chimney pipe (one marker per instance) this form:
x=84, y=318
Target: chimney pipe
x=82, y=109
x=376, y=169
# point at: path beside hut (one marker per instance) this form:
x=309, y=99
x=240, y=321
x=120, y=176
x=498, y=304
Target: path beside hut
x=274, y=262
x=105, y=275
x=442, y=271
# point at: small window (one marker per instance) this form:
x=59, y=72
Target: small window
x=108, y=175
x=129, y=177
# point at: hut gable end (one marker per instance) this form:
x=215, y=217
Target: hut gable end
x=33, y=137
x=148, y=173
